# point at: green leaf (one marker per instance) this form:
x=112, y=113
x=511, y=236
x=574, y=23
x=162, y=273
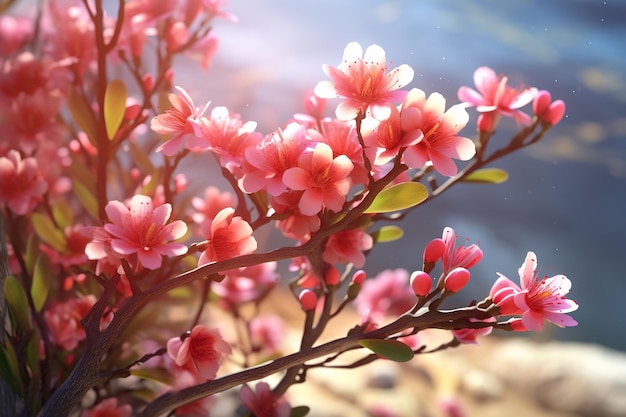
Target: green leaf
x=388, y=234
x=82, y=114
x=398, y=197
x=9, y=368
x=63, y=213
x=32, y=353
x=86, y=198
x=18, y=303
x=389, y=349
x=48, y=232
x=42, y=277
x=114, y=106
x=32, y=252
x=488, y=176
x=300, y=411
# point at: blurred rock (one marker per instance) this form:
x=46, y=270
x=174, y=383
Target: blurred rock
x=582, y=379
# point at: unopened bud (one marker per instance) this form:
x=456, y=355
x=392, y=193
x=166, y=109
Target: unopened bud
x=432, y=253
x=308, y=300
x=332, y=276
x=421, y=283
x=456, y=279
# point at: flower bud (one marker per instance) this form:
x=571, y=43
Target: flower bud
x=332, y=276
x=432, y=253
x=308, y=300
x=359, y=277
x=546, y=110
x=456, y=279
x=421, y=283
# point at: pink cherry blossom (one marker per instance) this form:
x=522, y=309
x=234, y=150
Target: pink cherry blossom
x=267, y=161
x=262, y=403
x=267, y=332
x=202, y=351
x=341, y=136
x=384, y=139
x=142, y=230
x=248, y=284
x=495, y=97
x=108, y=408
x=537, y=299
x=365, y=83
x=469, y=336
x=228, y=236
x=181, y=123
x=324, y=180
x=214, y=201
x=14, y=32
x=294, y=224
x=22, y=186
x=440, y=127
x=546, y=110
x=228, y=136
x=462, y=256
x=348, y=246
x=387, y=294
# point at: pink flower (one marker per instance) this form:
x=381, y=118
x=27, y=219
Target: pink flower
x=108, y=408
x=262, y=403
x=324, y=180
x=202, y=351
x=227, y=237
x=348, y=246
x=22, y=186
x=387, y=294
x=181, y=122
x=546, y=110
x=267, y=332
x=537, y=299
x=463, y=256
x=228, y=136
x=294, y=224
x=469, y=336
x=494, y=97
x=214, y=201
x=441, y=142
x=14, y=32
x=365, y=83
x=244, y=285
x=267, y=161
x=384, y=139
x=143, y=230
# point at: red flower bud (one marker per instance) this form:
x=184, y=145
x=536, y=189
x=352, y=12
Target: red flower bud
x=456, y=279
x=421, y=283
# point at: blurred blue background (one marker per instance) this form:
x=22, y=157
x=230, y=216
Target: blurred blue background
x=565, y=199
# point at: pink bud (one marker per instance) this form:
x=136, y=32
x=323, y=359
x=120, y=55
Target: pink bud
x=332, y=276
x=434, y=250
x=180, y=182
x=148, y=82
x=308, y=300
x=359, y=277
x=546, y=110
x=421, y=283
x=541, y=102
x=456, y=279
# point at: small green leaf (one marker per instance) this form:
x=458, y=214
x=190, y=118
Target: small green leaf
x=388, y=234
x=300, y=411
x=488, y=176
x=81, y=113
x=389, y=349
x=32, y=252
x=63, y=213
x=48, y=232
x=398, y=197
x=114, y=106
x=9, y=368
x=42, y=277
x=86, y=198
x=32, y=353
x=17, y=303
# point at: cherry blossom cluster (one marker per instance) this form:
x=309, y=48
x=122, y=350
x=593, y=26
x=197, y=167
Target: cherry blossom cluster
x=132, y=291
